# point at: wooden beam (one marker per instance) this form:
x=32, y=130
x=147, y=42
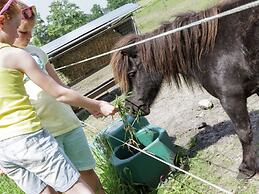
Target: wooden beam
x=97, y=92
x=100, y=89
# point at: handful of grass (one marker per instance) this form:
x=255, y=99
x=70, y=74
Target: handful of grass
x=129, y=128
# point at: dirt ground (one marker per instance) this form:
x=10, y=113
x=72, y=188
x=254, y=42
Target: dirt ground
x=178, y=112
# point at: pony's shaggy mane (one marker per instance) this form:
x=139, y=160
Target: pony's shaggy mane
x=183, y=51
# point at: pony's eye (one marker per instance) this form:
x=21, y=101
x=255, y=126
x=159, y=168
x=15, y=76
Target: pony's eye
x=131, y=74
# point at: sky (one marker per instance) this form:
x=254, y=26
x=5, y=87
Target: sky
x=43, y=5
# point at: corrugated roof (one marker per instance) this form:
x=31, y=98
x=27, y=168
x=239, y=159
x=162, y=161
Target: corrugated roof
x=89, y=28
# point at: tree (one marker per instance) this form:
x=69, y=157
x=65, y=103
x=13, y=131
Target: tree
x=96, y=12
x=64, y=17
x=114, y=4
x=40, y=35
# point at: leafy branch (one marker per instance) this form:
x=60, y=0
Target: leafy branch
x=129, y=128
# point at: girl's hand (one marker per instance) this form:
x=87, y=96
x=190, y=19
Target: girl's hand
x=1, y=172
x=104, y=109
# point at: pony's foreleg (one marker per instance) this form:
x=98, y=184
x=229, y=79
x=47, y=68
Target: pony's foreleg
x=236, y=109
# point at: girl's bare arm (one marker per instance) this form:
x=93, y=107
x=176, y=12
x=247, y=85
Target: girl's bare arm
x=52, y=73
x=61, y=93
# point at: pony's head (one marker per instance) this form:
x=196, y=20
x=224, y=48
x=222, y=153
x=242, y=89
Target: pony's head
x=131, y=73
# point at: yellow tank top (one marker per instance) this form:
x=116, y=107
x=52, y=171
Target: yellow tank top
x=17, y=116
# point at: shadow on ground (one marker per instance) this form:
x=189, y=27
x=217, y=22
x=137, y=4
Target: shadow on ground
x=210, y=135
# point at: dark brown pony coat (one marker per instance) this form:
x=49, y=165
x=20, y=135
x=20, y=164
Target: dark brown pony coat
x=221, y=55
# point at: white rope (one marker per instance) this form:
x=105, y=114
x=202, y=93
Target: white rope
x=171, y=165
x=223, y=14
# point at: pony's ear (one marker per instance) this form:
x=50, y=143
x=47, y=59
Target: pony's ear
x=131, y=52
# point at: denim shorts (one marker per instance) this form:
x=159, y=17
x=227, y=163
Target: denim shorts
x=35, y=160
x=75, y=146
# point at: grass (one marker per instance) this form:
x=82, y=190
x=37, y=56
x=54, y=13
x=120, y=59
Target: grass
x=181, y=183
x=153, y=12
x=109, y=177
x=7, y=186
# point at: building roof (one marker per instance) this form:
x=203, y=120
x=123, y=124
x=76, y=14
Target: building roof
x=86, y=30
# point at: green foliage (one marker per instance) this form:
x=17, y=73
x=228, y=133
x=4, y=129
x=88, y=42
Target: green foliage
x=114, y=4
x=40, y=35
x=64, y=17
x=96, y=12
x=129, y=128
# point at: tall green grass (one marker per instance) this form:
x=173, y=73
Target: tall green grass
x=109, y=177
x=7, y=186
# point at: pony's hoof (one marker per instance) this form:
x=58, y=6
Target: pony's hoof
x=245, y=172
x=245, y=175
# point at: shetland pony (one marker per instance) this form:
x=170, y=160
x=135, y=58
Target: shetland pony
x=221, y=55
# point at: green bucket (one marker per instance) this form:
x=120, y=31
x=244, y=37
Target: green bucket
x=116, y=129
x=134, y=166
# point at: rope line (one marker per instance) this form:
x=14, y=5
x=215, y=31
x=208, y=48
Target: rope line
x=220, y=15
x=160, y=160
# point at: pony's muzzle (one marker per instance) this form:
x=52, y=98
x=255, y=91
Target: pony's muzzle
x=137, y=109
x=144, y=110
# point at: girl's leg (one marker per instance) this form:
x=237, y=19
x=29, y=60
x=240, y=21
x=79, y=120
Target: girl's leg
x=80, y=187
x=48, y=190
x=75, y=145
x=91, y=178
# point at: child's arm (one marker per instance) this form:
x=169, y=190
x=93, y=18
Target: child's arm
x=62, y=94
x=52, y=73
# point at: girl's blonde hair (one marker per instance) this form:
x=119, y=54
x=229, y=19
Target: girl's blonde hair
x=11, y=11
x=21, y=4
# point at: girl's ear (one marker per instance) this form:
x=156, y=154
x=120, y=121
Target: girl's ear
x=2, y=19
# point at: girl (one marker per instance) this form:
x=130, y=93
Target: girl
x=28, y=152
x=58, y=118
